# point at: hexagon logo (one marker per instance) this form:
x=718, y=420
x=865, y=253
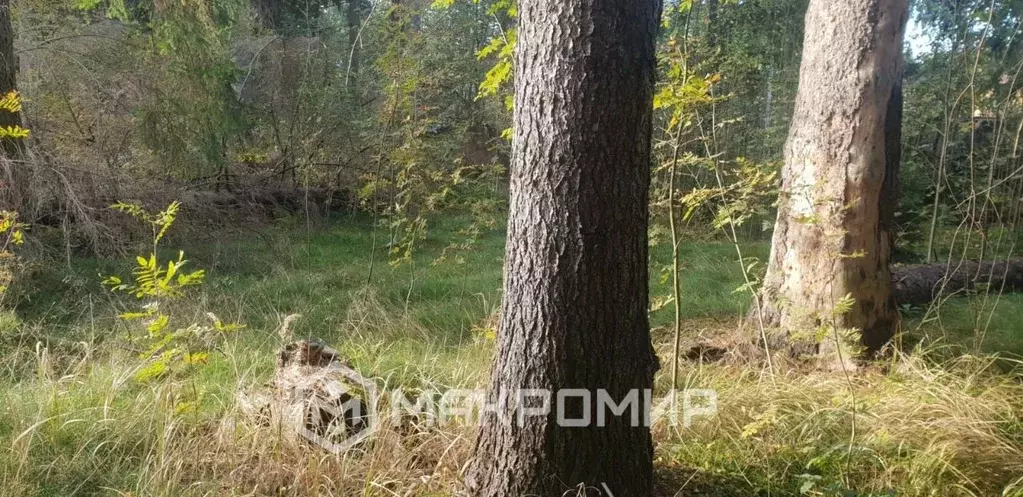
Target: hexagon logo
x=342, y=411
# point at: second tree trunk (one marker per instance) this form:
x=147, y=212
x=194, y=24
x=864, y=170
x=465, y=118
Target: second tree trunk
x=830, y=248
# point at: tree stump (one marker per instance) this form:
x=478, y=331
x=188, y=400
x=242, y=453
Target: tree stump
x=314, y=395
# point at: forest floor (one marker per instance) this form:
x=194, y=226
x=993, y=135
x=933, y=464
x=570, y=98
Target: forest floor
x=942, y=419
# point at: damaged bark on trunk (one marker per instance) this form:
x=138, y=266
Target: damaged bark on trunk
x=829, y=240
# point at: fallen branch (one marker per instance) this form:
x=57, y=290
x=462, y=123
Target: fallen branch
x=911, y=284
x=922, y=283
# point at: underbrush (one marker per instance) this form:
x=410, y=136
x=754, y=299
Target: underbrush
x=91, y=429
x=945, y=419
x=924, y=428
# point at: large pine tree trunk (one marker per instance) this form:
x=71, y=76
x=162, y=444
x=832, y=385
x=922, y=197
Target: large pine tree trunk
x=829, y=241
x=574, y=314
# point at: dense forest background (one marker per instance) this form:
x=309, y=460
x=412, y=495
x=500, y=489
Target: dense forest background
x=399, y=109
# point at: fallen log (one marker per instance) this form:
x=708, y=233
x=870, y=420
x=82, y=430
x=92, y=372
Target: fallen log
x=912, y=284
x=916, y=284
x=267, y=200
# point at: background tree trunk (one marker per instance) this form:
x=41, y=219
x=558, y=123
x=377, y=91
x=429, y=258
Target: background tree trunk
x=353, y=15
x=712, y=25
x=269, y=13
x=829, y=240
x=574, y=314
x=14, y=187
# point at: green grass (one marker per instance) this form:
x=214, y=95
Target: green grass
x=258, y=279
x=976, y=324
x=76, y=423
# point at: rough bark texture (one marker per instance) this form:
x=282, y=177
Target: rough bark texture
x=828, y=240
x=574, y=314
x=922, y=283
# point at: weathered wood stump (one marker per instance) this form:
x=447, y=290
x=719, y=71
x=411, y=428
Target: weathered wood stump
x=314, y=395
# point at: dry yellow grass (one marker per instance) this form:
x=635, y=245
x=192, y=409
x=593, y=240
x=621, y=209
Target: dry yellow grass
x=918, y=426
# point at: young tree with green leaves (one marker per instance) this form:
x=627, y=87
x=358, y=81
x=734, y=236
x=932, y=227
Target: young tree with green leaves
x=14, y=188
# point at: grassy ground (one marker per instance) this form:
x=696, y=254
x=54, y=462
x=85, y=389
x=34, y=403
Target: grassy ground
x=945, y=421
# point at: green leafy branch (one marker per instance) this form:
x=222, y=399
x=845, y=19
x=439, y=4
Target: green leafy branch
x=166, y=349
x=11, y=230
